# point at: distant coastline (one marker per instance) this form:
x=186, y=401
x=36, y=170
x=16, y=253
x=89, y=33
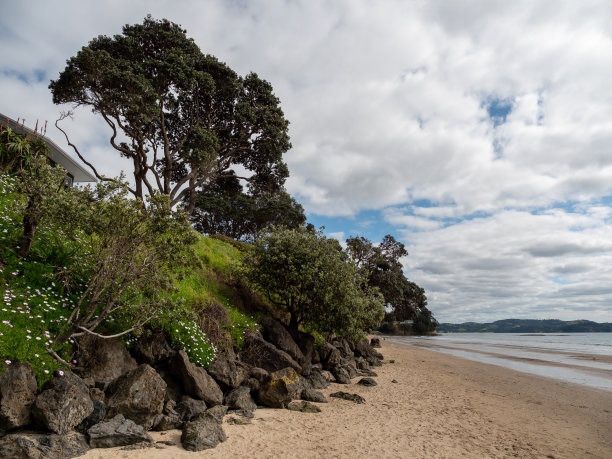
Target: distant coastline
x=528, y=326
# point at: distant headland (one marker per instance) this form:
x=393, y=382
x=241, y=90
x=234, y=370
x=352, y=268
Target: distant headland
x=529, y=326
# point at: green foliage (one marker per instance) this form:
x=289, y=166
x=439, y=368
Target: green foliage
x=382, y=267
x=187, y=335
x=309, y=277
x=239, y=322
x=188, y=117
x=226, y=209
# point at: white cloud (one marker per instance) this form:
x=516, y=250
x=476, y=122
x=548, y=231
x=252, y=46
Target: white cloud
x=388, y=106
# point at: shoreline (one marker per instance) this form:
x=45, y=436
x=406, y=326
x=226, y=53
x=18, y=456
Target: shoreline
x=441, y=406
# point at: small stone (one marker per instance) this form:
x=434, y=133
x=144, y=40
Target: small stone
x=304, y=407
x=394, y=381
x=350, y=397
x=391, y=361
x=369, y=382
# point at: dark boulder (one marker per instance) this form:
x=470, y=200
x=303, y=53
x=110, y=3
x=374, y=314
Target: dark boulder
x=275, y=393
x=350, y=397
x=363, y=349
x=259, y=353
x=293, y=381
x=17, y=394
x=153, y=349
x=375, y=342
x=330, y=356
x=228, y=372
x=204, y=432
x=104, y=360
x=97, y=415
x=311, y=395
x=189, y=408
x=137, y=395
x=25, y=445
x=195, y=380
x=275, y=332
x=117, y=432
x=304, y=407
x=63, y=403
x=240, y=399
x=369, y=382
x=341, y=374
x=343, y=346
x=170, y=418
x=305, y=342
x=317, y=379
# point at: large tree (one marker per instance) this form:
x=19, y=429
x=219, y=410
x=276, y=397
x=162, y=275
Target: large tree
x=181, y=116
x=311, y=279
x=382, y=267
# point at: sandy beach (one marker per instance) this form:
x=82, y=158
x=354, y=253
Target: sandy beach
x=440, y=406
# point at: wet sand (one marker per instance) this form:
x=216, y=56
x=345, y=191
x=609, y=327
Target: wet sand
x=440, y=407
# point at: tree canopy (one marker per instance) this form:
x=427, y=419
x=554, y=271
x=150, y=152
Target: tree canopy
x=184, y=118
x=311, y=278
x=226, y=209
x=382, y=268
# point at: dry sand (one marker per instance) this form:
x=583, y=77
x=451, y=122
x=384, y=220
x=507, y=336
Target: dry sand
x=440, y=407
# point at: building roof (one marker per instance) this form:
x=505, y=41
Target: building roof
x=56, y=154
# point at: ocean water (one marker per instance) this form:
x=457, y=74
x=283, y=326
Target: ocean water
x=581, y=358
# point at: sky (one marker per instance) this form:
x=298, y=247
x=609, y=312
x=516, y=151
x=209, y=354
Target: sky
x=478, y=133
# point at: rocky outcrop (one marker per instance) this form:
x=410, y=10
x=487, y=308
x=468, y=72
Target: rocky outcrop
x=28, y=445
x=104, y=360
x=259, y=353
x=240, y=399
x=195, y=380
x=275, y=332
x=137, y=395
x=63, y=403
x=204, y=432
x=117, y=432
x=153, y=349
x=17, y=394
x=228, y=372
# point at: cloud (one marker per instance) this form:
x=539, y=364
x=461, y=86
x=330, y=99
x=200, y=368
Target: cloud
x=479, y=132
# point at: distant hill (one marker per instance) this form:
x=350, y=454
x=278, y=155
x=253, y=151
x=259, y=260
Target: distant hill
x=528, y=326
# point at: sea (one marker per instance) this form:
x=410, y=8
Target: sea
x=580, y=358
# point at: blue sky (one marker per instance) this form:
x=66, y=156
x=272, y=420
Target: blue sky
x=478, y=133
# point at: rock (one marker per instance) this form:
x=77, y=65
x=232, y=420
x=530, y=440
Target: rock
x=63, y=403
x=394, y=381
x=275, y=332
x=117, y=432
x=329, y=355
x=343, y=346
x=217, y=412
x=228, y=372
x=240, y=399
x=97, y=415
x=260, y=374
x=253, y=384
x=170, y=419
x=275, y=393
x=312, y=395
x=318, y=379
x=375, y=342
x=367, y=373
x=104, y=359
x=259, y=353
x=346, y=396
x=137, y=395
x=196, y=381
x=351, y=368
x=238, y=420
x=294, y=382
x=17, y=394
x=391, y=361
x=363, y=349
x=341, y=374
x=304, y=407
x=369, y=382
x=153, y=349
x=305, y=342
x=97, y=395
x=361, y=363
x=42, y=446
x=204, y=432
x=189, y=408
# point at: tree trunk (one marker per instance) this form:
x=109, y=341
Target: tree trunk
x=30, y=222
